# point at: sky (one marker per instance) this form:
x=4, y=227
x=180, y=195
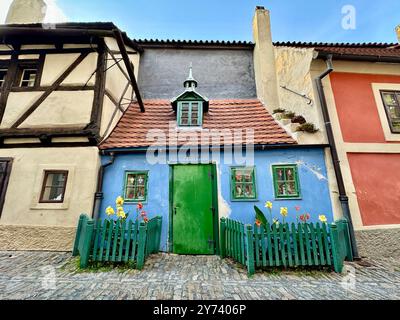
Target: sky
x=292, y=20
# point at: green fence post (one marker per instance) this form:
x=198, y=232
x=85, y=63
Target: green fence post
x=250, y=250
x=141, y=245
x=158, y=237
x=337, y=260
x=349, y=251
x=87, y=243
x=222, y=238
x=75, y=250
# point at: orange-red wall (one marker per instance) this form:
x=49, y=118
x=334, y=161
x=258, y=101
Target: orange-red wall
x=376, y=176
x=377, y=181
x=356, y=106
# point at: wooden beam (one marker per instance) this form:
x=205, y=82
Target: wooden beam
x=49, y=51
x=37, y=132
x=60, y=88
x=99, y=86
x=129, y=67
x=115, y=102
x=52, y=88
x=5, y=90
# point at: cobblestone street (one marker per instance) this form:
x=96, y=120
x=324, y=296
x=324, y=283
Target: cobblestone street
x=46, y=275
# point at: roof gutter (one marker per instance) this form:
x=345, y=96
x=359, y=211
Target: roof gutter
x=354, y=57
x=343, y=198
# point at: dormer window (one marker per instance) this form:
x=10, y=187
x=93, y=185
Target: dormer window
x=190, y=114
x=190, y=105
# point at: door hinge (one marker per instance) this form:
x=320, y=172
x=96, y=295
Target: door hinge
x=210, y=175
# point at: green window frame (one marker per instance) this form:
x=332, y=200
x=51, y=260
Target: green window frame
x=135, y=186
x=286, y=181
x=190, y=113
x=243, y=184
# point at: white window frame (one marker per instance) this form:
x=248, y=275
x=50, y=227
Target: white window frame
x=2, y=81
x=377, y=88
x=22, y=77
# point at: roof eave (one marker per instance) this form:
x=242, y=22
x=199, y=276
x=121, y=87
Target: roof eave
x=355, y=57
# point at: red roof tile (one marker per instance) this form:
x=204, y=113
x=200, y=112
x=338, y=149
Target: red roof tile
x=133, y=128
x=358, y=49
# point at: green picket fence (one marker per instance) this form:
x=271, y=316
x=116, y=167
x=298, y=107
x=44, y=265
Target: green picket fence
x=302, y=244
x=115, y=241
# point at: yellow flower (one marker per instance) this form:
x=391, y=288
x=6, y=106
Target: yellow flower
x=110, y=211
x=121, y=213
x=322, y=218
x=268, y=204
x=275, y=221
x=119, y=201
x=284, y=211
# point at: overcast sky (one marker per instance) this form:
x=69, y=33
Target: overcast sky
x=294, y=20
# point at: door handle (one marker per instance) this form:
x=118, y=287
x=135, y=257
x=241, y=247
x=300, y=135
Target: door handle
x=175, y=211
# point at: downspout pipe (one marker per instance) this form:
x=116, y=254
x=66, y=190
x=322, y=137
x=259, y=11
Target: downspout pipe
x=343, y=198
x=98, y=196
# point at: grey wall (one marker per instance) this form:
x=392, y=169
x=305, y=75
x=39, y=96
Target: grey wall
x=221, y=73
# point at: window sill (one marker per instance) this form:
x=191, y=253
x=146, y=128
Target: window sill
x=245, y=200
x=283, y=199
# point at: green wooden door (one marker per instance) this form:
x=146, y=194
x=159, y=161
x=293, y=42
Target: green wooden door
x=192, y=210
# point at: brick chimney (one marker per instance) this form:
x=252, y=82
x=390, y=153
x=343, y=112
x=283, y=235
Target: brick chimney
x=26, y=11
x=398, y=33
x=264, y=60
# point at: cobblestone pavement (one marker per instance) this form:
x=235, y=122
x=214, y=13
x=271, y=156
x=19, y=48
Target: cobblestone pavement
x=46, y=275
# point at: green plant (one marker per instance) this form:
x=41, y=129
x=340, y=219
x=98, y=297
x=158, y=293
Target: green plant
x=299, y=119
x=279, y=110
x=288, y=115
x=307, y=127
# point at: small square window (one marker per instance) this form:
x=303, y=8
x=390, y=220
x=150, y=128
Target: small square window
x=3, y=74
x=28, y=78
x=135, y=188
x=190, y=114
x=243, y=186
x=391, y=101
x=53, y=188
x=286, y=181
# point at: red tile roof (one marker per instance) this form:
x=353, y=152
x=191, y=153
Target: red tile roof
x=357, y=49
x=132, y=129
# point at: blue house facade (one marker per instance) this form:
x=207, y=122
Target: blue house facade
x=314, y=191
x=169, y=160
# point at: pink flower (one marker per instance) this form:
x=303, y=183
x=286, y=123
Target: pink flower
x=305, y=217
x=297, y=208
x=139, y=206
x=143, y=213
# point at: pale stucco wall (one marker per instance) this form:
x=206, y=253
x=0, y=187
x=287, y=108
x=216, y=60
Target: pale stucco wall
x=22, y=205
x=34, y=238
x=294, y=71
x=56, y=64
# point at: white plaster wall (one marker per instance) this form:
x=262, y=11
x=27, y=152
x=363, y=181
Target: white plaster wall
x=62, y=109
x=83, y=72
x=107, y=116
x=56, y=64
x=21, y=205
x=294, y=71
x=17, y=104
